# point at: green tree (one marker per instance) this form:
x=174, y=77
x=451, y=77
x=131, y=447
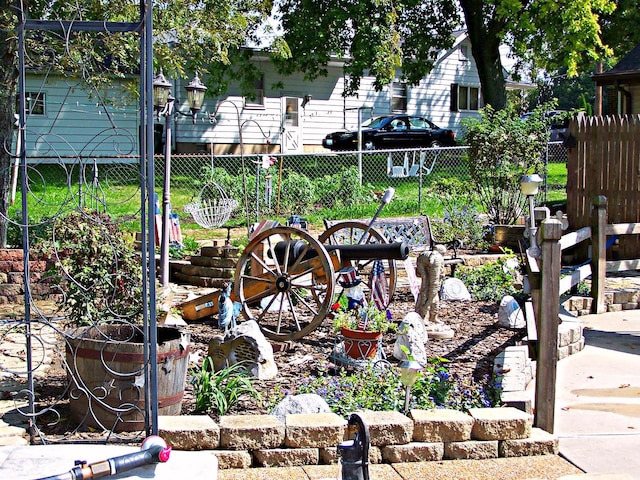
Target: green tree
x=379, y=36
x=193, y=35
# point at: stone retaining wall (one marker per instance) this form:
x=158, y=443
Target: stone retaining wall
x=309, y=439
x=12, y=277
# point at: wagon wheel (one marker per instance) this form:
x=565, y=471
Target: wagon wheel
x=350, y=233
x=285, y=281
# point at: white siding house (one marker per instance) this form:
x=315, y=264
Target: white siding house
x=448, y=94
x=63, y=120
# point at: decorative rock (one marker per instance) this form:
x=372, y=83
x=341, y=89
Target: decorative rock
x=413, y=336
x=429, y=267
x=510, y=314
x=247, y=344
x=453, y=289
x=299, y=404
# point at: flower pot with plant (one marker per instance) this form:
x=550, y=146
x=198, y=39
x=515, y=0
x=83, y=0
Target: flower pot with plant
x=100, y=276
x=361, y=330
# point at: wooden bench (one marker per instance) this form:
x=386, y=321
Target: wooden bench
x=416, y=232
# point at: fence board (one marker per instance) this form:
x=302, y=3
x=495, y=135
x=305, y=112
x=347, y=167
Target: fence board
x=606, y=161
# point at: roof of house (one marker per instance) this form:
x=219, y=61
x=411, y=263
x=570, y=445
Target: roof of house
x=627, y=70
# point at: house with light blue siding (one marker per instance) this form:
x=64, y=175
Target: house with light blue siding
x=293, y=117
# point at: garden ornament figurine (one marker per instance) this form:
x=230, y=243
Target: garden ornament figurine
x=430, y=268
x=228, y=310
x=350, y=281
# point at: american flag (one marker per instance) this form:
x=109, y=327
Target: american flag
x=378, y=285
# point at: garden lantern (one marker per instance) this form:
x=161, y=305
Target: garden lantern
x=163, y=104
x=409, y=370
x=529, y=186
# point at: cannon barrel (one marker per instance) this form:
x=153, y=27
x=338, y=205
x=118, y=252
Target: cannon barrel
x=369, y=251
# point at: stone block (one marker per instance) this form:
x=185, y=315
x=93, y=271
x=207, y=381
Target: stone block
x=413, y=452
x=538, y=443
x=328, y=456
x=500, y=423
x=189, y=432
x=629, y=306
x=441, y=425
x=521, y=400
x=233, y=459
x=388, y=428
x=285, y=457
x=471, y=450
x=314, y=430
x=614, y=307
x=250, y=432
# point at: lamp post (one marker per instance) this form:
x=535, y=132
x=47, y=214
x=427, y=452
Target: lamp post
x=529, y=187
x=409, y=370
x=163, y=104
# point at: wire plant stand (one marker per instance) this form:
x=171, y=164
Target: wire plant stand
x=212, y=208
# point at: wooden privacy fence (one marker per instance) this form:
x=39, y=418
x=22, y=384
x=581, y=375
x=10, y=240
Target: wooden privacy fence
x=548, y=282
x=605, y=160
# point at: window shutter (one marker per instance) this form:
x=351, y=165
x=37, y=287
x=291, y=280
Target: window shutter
x=453, y=105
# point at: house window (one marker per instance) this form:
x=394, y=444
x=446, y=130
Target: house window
x=463, y=53
x=464, y=97
x=34, y=103
x=257, y=99
x=398, y=97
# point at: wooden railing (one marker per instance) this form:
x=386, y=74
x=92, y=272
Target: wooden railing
x=548, y=284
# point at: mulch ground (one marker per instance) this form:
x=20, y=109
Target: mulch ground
x=477, y=340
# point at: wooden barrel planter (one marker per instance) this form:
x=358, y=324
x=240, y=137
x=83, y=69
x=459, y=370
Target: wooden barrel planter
x=360, y=344
x=106, y=371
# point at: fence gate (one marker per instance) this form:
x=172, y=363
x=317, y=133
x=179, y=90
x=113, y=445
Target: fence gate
x=98, y=381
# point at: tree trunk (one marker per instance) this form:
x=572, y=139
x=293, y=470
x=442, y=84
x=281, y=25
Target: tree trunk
x=8, y=86
x=486, y=34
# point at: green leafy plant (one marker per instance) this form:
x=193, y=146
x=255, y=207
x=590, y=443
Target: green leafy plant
x=219, y=392
x=491, y=281
x=503, y=148
x=369, y=319
x=96, y=268
x=380, y=389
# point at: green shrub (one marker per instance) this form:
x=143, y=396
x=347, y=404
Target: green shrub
x=491, y=281
x=380, y=389
x=219, y=392
x=297, y=194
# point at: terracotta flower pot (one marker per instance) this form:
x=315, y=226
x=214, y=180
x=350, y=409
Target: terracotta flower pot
x=360, y=344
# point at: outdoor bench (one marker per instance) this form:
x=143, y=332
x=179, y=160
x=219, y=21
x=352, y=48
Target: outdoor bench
x=415, y=231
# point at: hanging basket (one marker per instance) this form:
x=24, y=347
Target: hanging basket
x=212, y=208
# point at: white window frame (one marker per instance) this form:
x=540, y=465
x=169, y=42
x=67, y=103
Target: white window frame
x=35, y=103
x=468, y=89
x=258, y=102
x=403, y=89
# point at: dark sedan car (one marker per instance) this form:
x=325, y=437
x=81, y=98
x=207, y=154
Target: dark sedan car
x=392, y=131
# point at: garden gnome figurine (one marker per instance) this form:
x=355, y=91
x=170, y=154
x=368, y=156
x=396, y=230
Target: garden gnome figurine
x=350, y=281
x=430, y=267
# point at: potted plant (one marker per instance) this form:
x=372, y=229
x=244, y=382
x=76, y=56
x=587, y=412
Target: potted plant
x=100, y=277
x=361, y=329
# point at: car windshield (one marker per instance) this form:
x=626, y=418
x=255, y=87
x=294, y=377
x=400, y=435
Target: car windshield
x=376, y=122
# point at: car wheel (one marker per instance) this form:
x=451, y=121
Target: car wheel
x=435, y=144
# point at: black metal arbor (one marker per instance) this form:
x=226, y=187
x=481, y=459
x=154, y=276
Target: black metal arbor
x=86, y=172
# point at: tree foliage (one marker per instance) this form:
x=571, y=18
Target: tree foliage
x=380, y=36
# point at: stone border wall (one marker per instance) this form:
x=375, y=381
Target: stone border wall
x=245, y=441
x=12, y=277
